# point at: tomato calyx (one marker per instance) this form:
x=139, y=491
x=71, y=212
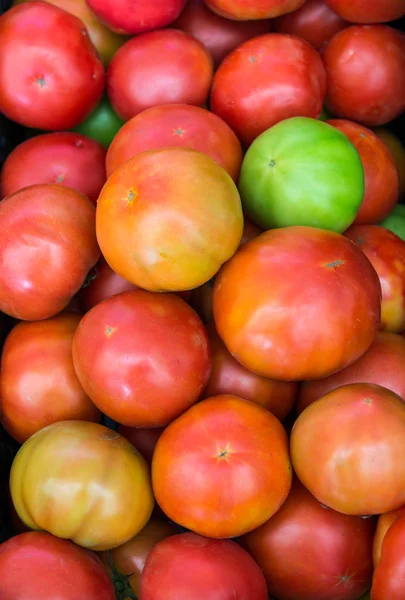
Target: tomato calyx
x=122, y=586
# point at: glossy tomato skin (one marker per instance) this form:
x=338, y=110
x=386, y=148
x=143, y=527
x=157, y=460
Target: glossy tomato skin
x=107, y=496
x=354, y=470
x=389, y=575
x=253, y=9
x=364, y=11
x=398, y=152
x=144, y=439
x=384, y=523
x=67, y=158
x=266, y=80
x=177, y=125
x=38, y=565
x=386, y=252
x=290, y=271
x=190, y=567
x=160, y=67
x=161, y=357
x=337, y=550
x=158, y=228
x=352, y=93
x=50, y=75
x=59, y=224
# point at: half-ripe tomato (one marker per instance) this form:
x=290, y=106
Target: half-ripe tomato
x=266, y=80
x=144, y=439
x=95, y=481
x=68, y=158
x=384, y=523
x=38, y=565
x=240, y=10
x=50, y=74
x=337, y=550
x=47, y=247
x=297, y=303
x=389, y=575
x=368, y=11
x=347, y=449
x=398, y=152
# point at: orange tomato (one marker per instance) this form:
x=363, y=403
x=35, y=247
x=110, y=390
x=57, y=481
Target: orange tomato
x=384, y=523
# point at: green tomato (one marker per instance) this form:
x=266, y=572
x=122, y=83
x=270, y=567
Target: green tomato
x=395, y=221
x=302, y=172
x=102, y=125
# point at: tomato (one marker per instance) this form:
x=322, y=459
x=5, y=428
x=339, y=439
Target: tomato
x=102, y=283
x=219, y=35
x=386, y=252
x=354, y=470
x=289, y=176
x=97, y=484
x=47, y=247
x=266, y=80
x=398, y=152
x=38, y=565
x=160, y=67
x=395, y=221
x=161, y=357
x=144, y=439
x=314, y=21
x=368, y=11
x=316, y=274
x=67, y=158
x=389, y=575
x=349, y=57
x=102, y=124
x=190, y=567
x=50, y=74
x=157, y=226
x=252, y=9
x=383, y=525
x=337, y=548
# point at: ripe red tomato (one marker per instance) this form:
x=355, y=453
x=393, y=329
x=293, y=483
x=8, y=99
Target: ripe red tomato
x=389, y=575
x=160, y=67
x=68, y=158
x=349, y=57
x=368, y=11
x=314, y=273
x=144, y=439
x=190, y=567
x=253, y=9
x=354, y=470
x=337, y=549
x=386, y=252
x=38, y=565
x=266, y=80
x=384, y=523
x=47, y=247
x=50, y=74
x=177, y=125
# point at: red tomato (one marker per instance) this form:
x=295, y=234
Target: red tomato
x=142, y=358
x=144, y=440
x=67, y=158
x=50, y=74
x=253, y=9
x=382, y=364
x=38, y=565
x=356, y=470
x=386, y=252
x=190, y=567
x=389, y=576
x=160, y=67
x=266, y=80
x=220, y=36
x=177, y=125
x=314, y=273
x=368, y=11
x=384, y=523
x=314, y=22
x=380, y=172
x=337, y=549
x=349, y=57
x=47, y=247
x=398, y=153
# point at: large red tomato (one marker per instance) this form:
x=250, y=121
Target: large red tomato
x=50, y=74
x=47, y=247
x=142, y=358
x=190, y=567
x=349, y=57
x=144, y=439
x=389, y=575
x=266, y=80
x=253, y=9
x=67, y=158
x=347, y=449
x=386, y=252
x=368, y=11
x=38, y=565
x=337, y=549
x=297, y=303
x=167, y=66
x=384, y=523
x=177, y=125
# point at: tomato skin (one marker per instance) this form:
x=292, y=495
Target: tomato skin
x=59, y=223
x=240, y=10
x=66, y=158
x=398, y=152
x=352, y=93
x=50, y=76
x=364, y=11
x=389, y=575
x=177, y=125
x=102, y=124
x=395, y=221
x=38, y=565
x=339, y=547
x=160, y=67
x=356, y=471
x=266, y=80
x=384, y=523
x=104, y=283
x=144, y=439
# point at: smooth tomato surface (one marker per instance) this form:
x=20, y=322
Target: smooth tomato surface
x=102, y=124
x=368, y=11
x=144, y=439
x=398, y=152
x=253, y=9
x=389, y=575
x=384, y=523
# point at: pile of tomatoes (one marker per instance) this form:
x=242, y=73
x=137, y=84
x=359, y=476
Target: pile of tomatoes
x=203, y=246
